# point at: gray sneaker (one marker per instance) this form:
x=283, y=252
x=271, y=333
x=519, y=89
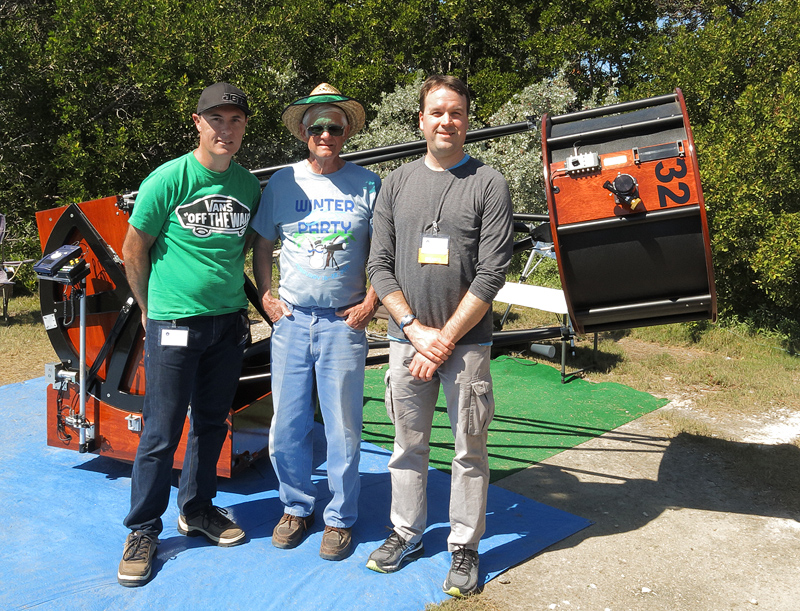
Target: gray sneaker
x=462, y=580
x=393, y=554
x=213, y=522
x=137, y=559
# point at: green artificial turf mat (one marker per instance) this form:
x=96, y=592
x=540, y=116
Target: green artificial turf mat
x=536, y=416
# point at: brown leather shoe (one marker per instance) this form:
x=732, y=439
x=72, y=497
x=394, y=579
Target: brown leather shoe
x=290, y=530
x=336, y=543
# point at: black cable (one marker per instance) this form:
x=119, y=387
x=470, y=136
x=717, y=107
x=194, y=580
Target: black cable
x=61, y=430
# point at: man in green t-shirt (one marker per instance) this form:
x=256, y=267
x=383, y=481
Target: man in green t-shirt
x=184, y=260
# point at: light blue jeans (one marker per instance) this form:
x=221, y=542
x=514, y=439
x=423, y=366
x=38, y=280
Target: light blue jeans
x=315, y=350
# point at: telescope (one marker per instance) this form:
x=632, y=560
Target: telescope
x=626, y=224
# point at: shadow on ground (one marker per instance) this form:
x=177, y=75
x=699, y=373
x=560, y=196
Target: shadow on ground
x=694, y=473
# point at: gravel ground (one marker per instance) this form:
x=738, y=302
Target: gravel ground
x=676, y=525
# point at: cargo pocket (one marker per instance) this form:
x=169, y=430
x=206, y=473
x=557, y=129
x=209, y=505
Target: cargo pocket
x=387, y=396
x=476, y=405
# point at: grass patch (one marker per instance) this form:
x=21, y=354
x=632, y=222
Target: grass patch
x=728, y=373
x=690, y=426
x=25, y=345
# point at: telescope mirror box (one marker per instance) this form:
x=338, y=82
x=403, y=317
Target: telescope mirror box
x=65, y=264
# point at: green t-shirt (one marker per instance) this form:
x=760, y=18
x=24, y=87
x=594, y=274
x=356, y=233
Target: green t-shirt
x=199, y=218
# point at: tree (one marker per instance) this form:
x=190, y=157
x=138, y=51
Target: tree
x=597, y=39
x=23, y=107
x=100, y=91
x=97, y=93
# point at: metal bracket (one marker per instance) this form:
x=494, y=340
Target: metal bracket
x=76, y=421
x=58, y=378
x=134, y=423
x=83, y=426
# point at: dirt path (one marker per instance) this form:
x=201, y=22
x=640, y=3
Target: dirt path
x=681, y=522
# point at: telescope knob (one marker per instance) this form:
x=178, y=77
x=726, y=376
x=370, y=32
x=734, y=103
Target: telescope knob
x=624, y=184
x=624, y=188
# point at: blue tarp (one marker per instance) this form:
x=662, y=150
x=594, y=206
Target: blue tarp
x=62, y=534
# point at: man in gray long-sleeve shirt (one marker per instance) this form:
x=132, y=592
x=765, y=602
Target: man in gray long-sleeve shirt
x=441, y=245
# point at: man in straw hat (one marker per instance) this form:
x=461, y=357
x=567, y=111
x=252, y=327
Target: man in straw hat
x=321, y=209
x=442, y=244
x=184, y=259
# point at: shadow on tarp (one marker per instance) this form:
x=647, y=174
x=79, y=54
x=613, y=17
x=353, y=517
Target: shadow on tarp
x=62, y=538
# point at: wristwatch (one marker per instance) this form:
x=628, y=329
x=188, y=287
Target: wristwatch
x=407, y=320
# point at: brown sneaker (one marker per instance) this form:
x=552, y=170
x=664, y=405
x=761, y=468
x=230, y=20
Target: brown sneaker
x=137, y=559
x=290, y=530
x=214, y=523
x=336, y=543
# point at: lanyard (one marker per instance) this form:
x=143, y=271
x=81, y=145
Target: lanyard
x=435, y=224
x=441, y=203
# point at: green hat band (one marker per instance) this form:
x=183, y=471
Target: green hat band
x=325, y=98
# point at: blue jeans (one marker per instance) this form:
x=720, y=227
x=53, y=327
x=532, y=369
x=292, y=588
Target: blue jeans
x=205, y=374
x=315, y=349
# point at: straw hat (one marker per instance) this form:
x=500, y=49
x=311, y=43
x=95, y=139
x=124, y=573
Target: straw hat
x=323, y=94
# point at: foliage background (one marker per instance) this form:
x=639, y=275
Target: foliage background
x=97, y=93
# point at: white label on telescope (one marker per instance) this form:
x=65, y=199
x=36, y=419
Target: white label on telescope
x=618, y=160
x=49, y=321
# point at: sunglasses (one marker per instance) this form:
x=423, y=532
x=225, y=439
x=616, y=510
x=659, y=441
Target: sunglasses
x=318, y=130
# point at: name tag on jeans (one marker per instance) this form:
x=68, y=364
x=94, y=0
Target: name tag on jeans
x=177, y=336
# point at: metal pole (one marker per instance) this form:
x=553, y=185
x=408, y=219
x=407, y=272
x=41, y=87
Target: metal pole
x=614, y=108
x=82, y=446
x=392, y=151
x=415, y=147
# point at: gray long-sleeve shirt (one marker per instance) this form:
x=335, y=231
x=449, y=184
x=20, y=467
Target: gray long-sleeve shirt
x=473, y=207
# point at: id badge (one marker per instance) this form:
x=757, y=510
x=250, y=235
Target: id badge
x=175, y=336
x=434, y=249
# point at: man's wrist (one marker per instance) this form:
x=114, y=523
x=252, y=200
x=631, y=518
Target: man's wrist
x=406, y=320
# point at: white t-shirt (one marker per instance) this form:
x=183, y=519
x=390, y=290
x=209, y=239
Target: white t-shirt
x=324, y=222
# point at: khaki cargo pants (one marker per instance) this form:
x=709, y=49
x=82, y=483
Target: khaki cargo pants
x=410, y=404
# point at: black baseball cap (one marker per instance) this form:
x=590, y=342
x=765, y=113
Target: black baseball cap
x=222, y=94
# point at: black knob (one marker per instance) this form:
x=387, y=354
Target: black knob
x=625, y=184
